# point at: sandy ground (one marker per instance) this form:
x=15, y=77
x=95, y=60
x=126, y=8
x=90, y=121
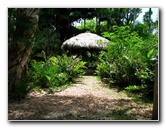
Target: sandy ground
x=88, y=99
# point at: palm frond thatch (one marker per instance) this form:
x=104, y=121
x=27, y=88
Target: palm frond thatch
x=85, y=40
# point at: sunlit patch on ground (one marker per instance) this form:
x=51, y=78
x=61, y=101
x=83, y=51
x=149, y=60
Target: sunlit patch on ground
x=88, y=99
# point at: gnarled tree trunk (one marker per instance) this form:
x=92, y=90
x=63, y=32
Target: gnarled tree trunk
x=20, y=48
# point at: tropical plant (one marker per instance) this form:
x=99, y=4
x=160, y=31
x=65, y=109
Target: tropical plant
x=55, y=72
x=128, y=60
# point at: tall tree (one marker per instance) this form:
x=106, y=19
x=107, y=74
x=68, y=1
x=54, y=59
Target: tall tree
x=117, y=16
x=130, y=14
x=102, y=14
x=150, y=13
x=20, y=47
x=148, y=20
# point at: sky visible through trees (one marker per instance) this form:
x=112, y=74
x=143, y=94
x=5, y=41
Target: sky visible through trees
x=140, y=17
x=154, y=15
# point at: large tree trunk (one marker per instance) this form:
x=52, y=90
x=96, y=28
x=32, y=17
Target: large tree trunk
x=20, y=48
x=155, y=96
x=134, y=18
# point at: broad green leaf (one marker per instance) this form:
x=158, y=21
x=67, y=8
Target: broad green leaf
x=48, y=78
x=150, y=53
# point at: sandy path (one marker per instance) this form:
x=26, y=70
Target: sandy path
x=88, y=99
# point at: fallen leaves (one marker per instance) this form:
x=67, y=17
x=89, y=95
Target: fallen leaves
x=86, y=100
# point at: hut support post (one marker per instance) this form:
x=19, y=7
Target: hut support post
x=70, y=52
x=91, y=55
x=80, y=52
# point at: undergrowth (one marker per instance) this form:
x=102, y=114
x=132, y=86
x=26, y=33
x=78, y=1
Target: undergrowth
x=129, y=60
x=53, y=75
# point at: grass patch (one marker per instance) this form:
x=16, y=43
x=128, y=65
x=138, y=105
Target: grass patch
x=119, y=114
x=97, y=78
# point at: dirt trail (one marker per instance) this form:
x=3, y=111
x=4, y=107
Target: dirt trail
x=88, y=99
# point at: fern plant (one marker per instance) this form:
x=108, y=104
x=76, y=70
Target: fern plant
x=55, y=72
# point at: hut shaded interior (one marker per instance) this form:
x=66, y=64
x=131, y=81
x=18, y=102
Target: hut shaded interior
x=88, y=55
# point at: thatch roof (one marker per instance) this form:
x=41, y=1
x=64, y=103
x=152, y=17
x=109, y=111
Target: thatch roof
x=85, y=40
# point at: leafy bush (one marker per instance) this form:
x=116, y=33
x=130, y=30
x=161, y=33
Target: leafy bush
x=73, y=66
x=128, y=60
x=135, y=88
x=55, y=72
x=146, y=90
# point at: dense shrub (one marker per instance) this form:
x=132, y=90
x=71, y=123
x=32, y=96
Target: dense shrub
x=128, y=60
x=55, y=72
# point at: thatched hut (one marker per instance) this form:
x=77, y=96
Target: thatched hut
x=86, y=41
x=88, y=45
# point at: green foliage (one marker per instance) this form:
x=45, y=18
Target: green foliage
x=128, y=60
x=91, y=25
x=134, y=88
x=92, y=64
x=71, y=65
x=143, y=89
x=142, y=30
x=47, y=40
x=12, y=13
x=55, y=72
